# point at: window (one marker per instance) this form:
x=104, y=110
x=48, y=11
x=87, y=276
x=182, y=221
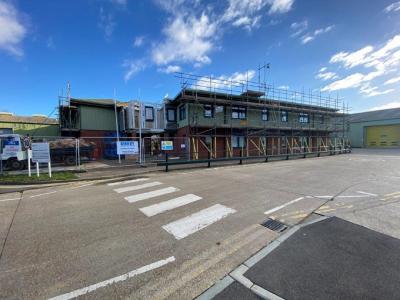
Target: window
x=303, y=118
x=149, y=113
x=182, y=112
x=238, y=112
x=171, y=115
x=284, y=116
x=238, y=141
x=208, y=111
x=264, y=115
x=322, y=119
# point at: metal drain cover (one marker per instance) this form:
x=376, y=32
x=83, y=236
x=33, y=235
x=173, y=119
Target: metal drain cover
x=274, y=225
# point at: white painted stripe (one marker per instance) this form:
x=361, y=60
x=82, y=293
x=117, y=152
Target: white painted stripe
x=283, y=205
x=365, y=193
x=137, y=187
x=38, y=195
x=148, y=195
x=327, y=197
x=81, y=186
x=127, y=181
x=161, y=207
x=356, y=196
x=186, y=226
x=93, y=287
x=11, y=199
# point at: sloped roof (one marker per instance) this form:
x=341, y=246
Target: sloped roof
x=384, y=114
x=6, y=118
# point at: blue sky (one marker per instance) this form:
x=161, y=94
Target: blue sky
x=345, y=47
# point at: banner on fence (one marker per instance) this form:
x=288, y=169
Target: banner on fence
x=127, y=147
x=167, y=145
x=40, y=152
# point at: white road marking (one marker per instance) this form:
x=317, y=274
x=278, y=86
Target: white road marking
x=186, y=226
x=93, y=287
x=282, y=206
x=11, y=199
x=48, y=193
x=127, y=181
x=350, y=196
x=80, y=186
x=137, y=187
x=161, y=207
x=327, y=197
x=365, y=193
x=148, y=195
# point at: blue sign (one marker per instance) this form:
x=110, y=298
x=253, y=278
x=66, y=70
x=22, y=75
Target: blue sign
x=167, y=145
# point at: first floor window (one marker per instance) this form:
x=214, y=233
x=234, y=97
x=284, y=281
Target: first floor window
x=182, y=112
x=171, y=115
x=238, y=112
x=303, y=118
x=208, y=111
x=238, y=141
x=264, y=114
x=284, y=116
x=149, y=113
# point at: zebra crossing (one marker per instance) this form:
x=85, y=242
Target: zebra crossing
x=179, y=228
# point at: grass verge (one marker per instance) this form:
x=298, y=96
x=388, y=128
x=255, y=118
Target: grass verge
x=24, y=178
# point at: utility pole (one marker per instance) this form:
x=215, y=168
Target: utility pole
x=116, y=125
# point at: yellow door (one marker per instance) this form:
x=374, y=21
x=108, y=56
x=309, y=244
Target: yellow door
x=383, y=136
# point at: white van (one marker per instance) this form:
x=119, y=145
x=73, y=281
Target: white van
x=13, y=154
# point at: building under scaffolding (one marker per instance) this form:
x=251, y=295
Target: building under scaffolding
x=221, y=118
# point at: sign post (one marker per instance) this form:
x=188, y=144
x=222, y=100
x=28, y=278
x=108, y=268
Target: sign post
x=41, y=154
x=127, y=147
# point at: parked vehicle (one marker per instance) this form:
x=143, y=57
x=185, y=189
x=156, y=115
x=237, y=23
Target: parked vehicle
x=14, y=151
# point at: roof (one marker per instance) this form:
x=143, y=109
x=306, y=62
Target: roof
x=98, y=102
x=385, y=114
x=6, y=118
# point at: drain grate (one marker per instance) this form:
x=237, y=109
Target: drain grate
x=274, y=225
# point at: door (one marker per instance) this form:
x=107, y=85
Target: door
x=383, y=136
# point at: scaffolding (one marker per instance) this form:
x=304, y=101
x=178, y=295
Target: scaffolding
x=322, y=122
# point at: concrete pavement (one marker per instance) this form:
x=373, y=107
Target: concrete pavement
x=110, y=241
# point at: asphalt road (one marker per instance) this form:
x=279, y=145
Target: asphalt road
x=111, y=241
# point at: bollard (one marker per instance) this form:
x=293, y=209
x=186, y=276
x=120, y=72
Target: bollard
x=241, y=155
x=166, y=161
x=209, y=160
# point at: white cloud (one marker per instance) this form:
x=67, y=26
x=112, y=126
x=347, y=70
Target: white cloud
x=133, y=67
x=311, y=36
x=170, y=69
x=389, y=105
x=138, y=42
x=50, y=43
x=299, y=27
x=395, y=6
x=106, y=23
x=370, y=91
x=120, y=2
x=392, y=80
x=280, y=6
x=224, y=81
x=187, y=39
x=384, y=61
x=12, y=31
x=284, y=87
x=326, y=75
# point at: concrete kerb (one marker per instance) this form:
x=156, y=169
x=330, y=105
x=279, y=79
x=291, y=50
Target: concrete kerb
x=237, y=274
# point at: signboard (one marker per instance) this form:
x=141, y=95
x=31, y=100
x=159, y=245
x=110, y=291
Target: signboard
x=167, y=145
x=40, y=152
x=127, y=147
x=219, y=109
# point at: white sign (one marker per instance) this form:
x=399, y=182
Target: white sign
x=219, y=109
x=40, y=152
x=167, y=145
x=127, y=147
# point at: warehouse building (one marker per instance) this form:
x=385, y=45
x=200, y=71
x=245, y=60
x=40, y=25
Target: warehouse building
x=375, y=129
x=36, y=125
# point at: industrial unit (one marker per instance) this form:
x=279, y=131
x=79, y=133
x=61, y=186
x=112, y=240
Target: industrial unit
x=375, y=129
x=36, y=125
x=225, y=119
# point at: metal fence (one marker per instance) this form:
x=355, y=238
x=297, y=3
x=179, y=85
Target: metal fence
x=88, y=153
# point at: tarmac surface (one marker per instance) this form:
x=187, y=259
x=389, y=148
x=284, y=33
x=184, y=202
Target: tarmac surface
x=332, y=259
x=98, y=240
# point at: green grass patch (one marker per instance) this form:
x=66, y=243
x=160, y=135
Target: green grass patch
x=24, y=178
